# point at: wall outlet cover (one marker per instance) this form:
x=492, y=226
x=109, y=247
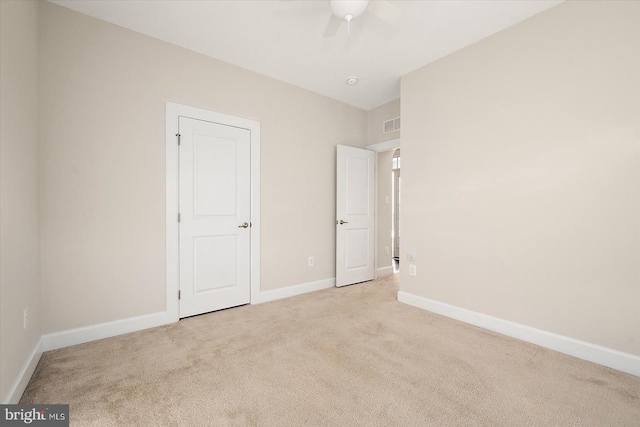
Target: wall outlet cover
x=412, y=269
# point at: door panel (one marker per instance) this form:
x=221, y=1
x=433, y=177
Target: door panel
x=356, y=174
x=357, y=248
x=355, y=209
x=215, y=176
x=215, y=198
x=215, y=260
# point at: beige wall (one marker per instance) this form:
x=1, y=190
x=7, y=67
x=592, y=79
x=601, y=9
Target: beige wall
x=377, y=116
x=521, y=185
x=103, y=149
x=385, y=211
x=19, y=241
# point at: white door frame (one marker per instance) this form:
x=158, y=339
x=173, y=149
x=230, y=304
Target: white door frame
x=380, y=147
x=174, y=111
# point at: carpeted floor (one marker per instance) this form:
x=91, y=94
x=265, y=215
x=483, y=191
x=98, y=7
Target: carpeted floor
x=351, y=356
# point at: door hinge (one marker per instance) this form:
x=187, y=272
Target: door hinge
x=178, y=294
x=179, y=217
x=178, y=135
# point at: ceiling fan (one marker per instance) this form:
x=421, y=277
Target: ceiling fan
x=348, y=10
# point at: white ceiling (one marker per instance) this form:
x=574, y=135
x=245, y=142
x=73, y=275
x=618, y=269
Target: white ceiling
x=283, y=39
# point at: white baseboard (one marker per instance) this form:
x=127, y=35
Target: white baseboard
x=20, y=384
x=291, y=291
x=85, y=334
x=57, y=340
x=618, y=360
x=384, y=271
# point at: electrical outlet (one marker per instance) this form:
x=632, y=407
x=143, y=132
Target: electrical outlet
x=311, y=261
x=386, y=250
x=412, y=269
x=25, y=317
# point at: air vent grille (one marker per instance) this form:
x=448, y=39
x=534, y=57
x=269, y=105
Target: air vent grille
x=391, y=125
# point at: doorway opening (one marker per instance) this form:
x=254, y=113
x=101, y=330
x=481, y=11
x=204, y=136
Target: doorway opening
x=395, y=228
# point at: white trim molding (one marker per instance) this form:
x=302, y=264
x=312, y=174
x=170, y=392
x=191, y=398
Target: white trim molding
x=70, y=337
x=22, y=380
x=174, y=112
x=618, y=360
x=291, y=291
x=385, y=146
x=76, y=336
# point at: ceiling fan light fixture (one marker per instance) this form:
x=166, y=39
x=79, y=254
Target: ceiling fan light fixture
x=352, y=80
x=348, y=10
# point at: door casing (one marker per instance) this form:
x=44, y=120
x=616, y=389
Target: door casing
x=173, y=112
x=396, y=210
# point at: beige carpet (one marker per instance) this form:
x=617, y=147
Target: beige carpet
x=340, y=357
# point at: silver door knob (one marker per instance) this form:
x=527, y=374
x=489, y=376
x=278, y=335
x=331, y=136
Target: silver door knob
x=343, y=222
x=244, y=225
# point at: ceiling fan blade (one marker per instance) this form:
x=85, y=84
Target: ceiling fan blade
x=384, y=10
x=332, y=27
x=377, y=26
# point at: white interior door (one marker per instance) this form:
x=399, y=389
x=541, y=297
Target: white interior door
x=354, y=216
x=215, y=207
